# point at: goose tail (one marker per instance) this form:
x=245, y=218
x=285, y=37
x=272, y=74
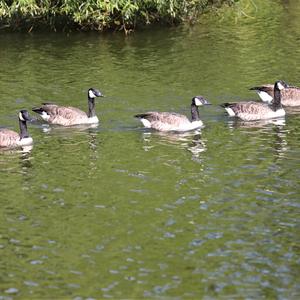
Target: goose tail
x=227, y=104
x=37, y=110
x=255, y=88
x=141, y=116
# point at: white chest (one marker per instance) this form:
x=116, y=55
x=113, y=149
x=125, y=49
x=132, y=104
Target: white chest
x=93, y=120
x=25, y=141
x=276, y=114
x=190, y=126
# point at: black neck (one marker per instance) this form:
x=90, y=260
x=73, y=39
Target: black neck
x=195, y=113
x=91, y=112
x=23, y=129
x=276, y=102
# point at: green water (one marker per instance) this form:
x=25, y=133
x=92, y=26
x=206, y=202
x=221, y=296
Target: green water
x=118, y=211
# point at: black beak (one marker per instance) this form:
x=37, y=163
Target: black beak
x=205, y=102
x=98, y=93
x=25, y=116
x=29, y=119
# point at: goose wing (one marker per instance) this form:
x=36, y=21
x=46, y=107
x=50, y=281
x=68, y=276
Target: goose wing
x=8, y=137
x=290, y=96
x=251, y=110
x=61, y=115
x=164, y=121
x=66, y=112
x=250, y=107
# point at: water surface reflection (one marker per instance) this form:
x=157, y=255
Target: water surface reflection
x=191, y=141
x=120, y=212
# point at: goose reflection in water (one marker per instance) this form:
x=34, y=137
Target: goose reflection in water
x=273, y=128
x=236, y=123
x=26, y=164
x=190, y=141
x=88, y=130
x=67, y=130
x=26, y=149
x=21, y=149
x=295, y=110
x=18, y=161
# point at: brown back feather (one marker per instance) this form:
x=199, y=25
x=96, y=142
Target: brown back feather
x=166, y=117
x=165, y=121
x=8, y=138
x=252, y=107
x=290, y=96
x=63, y=115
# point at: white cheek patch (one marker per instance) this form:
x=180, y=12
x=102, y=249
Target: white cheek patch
x=198, y=102
x=21, y=117
x=45, y=116
x=280, y=86
x=91, y=94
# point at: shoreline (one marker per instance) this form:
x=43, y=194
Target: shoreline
x=101, y=16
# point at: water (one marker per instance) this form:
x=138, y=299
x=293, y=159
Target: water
x=118, y=211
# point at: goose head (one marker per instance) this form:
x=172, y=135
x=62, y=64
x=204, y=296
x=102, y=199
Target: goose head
x=199, y=100
x=280, y=85
x=24, y=116
x=93, y=93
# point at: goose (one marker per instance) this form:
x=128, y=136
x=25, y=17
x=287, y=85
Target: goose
x=290, y=95
x=251, y=111
x=68, y=115
x=170, y=121
x=12, y=139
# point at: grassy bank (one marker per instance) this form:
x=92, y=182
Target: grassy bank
x=27, y=15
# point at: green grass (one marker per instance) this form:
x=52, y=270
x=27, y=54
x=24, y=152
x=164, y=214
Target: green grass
x=27, y=15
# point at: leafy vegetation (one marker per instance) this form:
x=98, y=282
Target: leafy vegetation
x=99, y=14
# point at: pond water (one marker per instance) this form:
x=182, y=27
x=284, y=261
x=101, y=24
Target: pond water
x=118, y=211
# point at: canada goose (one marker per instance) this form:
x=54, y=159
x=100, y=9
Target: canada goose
x=11, y=139
x=290, y=95
x=169, y=121
x=251, y=111
x=67, y=115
